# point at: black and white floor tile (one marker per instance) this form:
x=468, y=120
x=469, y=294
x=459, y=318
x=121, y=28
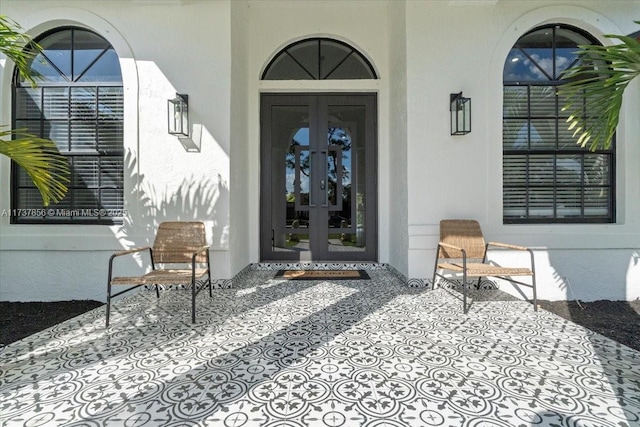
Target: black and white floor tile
x=271, y=352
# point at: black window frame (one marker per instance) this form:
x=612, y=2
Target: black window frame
x=559, y=149
x=310, y=56
x=101, y=153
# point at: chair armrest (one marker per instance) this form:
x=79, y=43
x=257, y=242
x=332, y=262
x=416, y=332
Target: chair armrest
x=446, y=245
x=456, y=248
x=125, y=252
x=507, y=246
x=130, y=251
x=515, y=247
x=195, y=253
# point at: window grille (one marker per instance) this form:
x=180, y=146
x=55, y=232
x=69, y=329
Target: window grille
x=78, y=104
x=319, y=59
x=547, y=177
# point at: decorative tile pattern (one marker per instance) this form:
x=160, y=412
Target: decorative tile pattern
x=272, y=352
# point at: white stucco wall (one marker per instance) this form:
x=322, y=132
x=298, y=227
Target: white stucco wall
x=397, y=149
x=215, y=51
x=239, y=238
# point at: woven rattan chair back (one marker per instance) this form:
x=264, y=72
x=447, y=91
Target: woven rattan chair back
x=176, y=241
x=463, y=233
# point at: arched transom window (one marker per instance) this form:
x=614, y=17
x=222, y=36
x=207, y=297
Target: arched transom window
x=78, y=104
x=319, y=59
x=547, y=177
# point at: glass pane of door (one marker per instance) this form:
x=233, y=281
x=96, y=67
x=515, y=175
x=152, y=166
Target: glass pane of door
x=346, y=170
x=291, y=175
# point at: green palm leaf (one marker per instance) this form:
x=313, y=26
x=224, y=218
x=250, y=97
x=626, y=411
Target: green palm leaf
x=593, y=94
x=18, y=47
x=40, y=158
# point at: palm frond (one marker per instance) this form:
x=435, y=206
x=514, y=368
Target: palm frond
x=19, y=48
x=594, y=92
x=40, y=158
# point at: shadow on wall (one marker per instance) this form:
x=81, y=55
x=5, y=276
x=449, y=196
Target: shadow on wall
x=197, y=198
x=572, y=270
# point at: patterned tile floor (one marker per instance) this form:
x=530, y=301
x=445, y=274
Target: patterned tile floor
x=318, y=353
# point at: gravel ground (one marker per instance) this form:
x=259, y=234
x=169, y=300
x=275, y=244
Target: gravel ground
x=21, y=319
x=618, y=320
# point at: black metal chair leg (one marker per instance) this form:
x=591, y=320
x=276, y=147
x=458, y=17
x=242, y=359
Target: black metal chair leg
x=435, y=270
x=209, y=275
x=108, y=303
x=193, y=299
x=464, y=293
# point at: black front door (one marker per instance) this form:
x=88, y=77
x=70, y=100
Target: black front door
x=318, y=177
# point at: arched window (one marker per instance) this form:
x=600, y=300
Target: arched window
x=319, y=59
x=78, y=104
x=547, y=177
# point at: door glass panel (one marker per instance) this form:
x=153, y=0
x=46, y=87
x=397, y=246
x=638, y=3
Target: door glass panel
x=290, y=179
x=346, y=183
x=334, y=179
x=298, y=188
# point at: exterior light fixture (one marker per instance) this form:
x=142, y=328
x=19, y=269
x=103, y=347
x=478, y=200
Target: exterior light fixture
x=460, y=108
x=178, y=115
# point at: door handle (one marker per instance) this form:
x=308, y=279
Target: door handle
x=322, y=184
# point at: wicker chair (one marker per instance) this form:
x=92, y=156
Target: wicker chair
x=176, y=242
x=462, y=249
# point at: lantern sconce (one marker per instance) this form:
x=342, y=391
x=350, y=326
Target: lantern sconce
x=178, y=115
x=460, y=108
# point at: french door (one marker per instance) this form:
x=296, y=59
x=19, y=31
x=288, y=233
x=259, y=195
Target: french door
x=318, y=177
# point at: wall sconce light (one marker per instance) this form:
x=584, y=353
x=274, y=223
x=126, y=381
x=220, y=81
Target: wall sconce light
x=178, y=115
x=460, y=108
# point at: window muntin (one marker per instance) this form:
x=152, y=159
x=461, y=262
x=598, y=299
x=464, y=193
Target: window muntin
x=79, y=105
x=547, y=177
x=319, y=59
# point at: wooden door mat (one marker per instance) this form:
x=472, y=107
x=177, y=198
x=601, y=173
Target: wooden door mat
x=322, y=274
